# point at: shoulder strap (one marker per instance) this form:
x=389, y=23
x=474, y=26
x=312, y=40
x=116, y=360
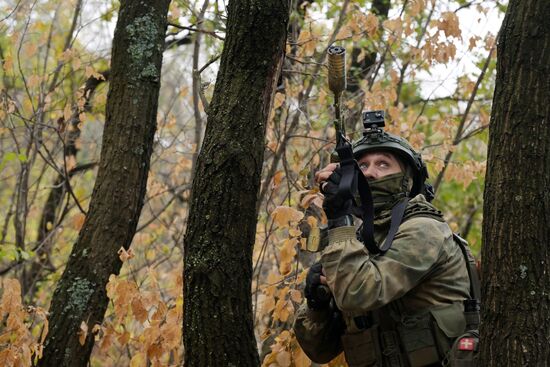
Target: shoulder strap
x=352, y=181
x=471, y=305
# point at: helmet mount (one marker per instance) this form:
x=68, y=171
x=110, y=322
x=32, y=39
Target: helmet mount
x=376, y=139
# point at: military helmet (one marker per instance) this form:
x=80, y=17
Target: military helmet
x=376, y=139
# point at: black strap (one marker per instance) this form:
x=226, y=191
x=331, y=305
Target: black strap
x=472, y=305
x=473, y=274
x=352, y=181
x=397, y=213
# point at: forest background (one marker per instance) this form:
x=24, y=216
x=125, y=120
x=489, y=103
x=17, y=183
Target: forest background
x=430, y=64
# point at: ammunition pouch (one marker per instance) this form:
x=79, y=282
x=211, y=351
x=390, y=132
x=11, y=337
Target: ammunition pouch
x=418, y=340
x=427, y=338
x=362, y=349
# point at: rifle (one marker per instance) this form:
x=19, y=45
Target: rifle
x=343, y=151
x=318, y=237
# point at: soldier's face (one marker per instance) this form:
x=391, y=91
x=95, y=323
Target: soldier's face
x=375, y=165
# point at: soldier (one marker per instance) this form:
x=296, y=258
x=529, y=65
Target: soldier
x=403, y=307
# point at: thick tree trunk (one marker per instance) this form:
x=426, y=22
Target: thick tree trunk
x=516, y=227
x=118, y=194
x=218, y=324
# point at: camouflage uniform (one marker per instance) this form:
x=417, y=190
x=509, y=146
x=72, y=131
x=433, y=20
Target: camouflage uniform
x=399, y=308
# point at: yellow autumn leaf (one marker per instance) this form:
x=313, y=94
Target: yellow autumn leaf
x=308, y=199
x=273, y=278
x=299, y=357
x=306, y=41
x=268, y=304
x=125, y=255
x=284, y=336
x=312, y=221
x=287, y=254
x=339, y=361
x=283, y=216
x=139, y=360
x=294, y=232
x=278, y=100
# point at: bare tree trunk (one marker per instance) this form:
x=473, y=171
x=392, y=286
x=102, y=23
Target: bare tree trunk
x=119, y=190
x=516, y=226
x=218, y=323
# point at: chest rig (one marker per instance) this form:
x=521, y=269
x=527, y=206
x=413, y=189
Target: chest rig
x=388, y=337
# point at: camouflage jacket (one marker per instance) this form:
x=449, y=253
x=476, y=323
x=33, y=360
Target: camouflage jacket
x=424, y=270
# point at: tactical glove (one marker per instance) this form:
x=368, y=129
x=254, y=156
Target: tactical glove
x=318, y=295
x=338, y=209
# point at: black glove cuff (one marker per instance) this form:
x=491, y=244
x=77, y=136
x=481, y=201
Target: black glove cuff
x=346, y=220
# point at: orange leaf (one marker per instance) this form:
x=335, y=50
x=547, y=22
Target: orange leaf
x=284, y=215
x=296, y=296
x=277, y=178
x=124, y=338
x=138, y=310
x=78, y=221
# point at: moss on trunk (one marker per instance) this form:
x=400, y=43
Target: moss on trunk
x=515, y=330
x=218, y=325
x=119, y=189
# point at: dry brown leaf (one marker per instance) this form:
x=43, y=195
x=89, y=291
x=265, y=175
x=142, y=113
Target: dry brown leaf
x=283, y=216
x=83, y=333
x=283, y=358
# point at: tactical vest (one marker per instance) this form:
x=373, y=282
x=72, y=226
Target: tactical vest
x=387, y=337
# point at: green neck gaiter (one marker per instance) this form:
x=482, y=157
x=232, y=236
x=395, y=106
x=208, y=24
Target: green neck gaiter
x=387, y=190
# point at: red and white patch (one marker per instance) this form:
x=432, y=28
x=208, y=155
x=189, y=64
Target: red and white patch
x=466, y=344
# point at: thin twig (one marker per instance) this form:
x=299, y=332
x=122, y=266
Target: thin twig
x=198, y=30
x=458, y=136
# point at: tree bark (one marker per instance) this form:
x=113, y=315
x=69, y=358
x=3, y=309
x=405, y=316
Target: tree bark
x=119, y=190
x=516, y=233
x=218, y=323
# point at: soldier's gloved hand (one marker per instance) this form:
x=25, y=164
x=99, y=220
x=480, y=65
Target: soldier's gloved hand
x=337, y=208
x=317, y=294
